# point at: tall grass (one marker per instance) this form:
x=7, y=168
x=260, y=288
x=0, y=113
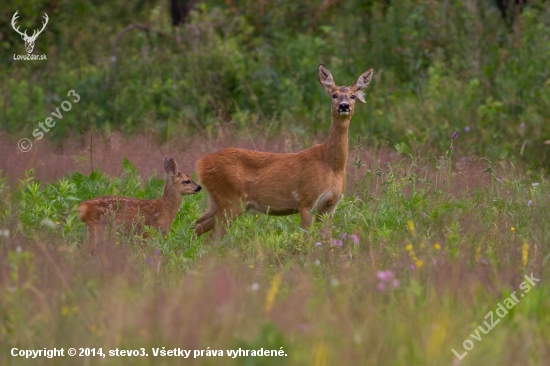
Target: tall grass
x=421, y=263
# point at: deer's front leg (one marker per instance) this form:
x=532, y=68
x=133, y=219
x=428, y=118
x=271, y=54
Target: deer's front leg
x=307, y=218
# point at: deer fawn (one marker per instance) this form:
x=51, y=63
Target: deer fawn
x=307, y=182
x=101, y=211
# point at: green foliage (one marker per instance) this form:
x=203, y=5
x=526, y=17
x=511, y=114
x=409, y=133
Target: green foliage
x=440, y=67
x=457, y=244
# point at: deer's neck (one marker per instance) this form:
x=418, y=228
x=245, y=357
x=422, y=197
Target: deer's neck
x=171, y=201
x=335, y=149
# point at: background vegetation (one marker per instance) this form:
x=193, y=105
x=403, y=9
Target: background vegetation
x=440, y=66
x=424, y=244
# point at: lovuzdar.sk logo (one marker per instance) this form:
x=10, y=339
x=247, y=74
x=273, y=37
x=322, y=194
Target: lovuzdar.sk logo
x=29, y=40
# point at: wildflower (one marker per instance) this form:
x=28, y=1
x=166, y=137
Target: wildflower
x=381, y=287
x=255, y=286
x=157, y=252
x=409, y=247
x=338, y=243
x=334, y=282
x=270, y=298
x=251, y=266
x=535, y=184
x=65, y=310
x=344, y=236
x=419, y=263
x=484, y=261
x=529, y=203
x=524, y=253
x=512, y=229
x=49, y=223
x=522, y=125
x=5, y=233
x=412, y=266
x=355, y=239
x=57, y=223
x=455, y=135
x=437, y=246
x=318, y=244
x=385, y=275
x=18, y=249
x=394, y=283
x=149, y=260
x=410, y=224
x=467, y=128
x=75, y=309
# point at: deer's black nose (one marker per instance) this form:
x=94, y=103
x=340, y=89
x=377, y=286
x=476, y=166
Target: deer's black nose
x=198, y=189
x=343, y=107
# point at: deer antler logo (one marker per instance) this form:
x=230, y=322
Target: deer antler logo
x=29, y=41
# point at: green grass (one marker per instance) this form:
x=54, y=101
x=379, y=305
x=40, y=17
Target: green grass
x=446, y=236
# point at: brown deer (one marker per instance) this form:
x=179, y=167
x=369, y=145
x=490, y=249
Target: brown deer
x=307, y=182
x=160, y=213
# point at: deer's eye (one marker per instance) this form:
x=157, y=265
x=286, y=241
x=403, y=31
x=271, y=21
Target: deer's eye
x=334, y=96
x=352, y=97
x=187, y=181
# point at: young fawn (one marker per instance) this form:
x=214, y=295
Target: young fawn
x=160, y=213
x=307, y=182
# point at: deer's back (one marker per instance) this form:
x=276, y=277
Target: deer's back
x=102, y=210
x=278, y=182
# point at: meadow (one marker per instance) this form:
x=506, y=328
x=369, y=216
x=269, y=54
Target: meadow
x=439, y=246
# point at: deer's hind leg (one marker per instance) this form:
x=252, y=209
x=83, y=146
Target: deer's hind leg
x=223, y=219
x=206, y=222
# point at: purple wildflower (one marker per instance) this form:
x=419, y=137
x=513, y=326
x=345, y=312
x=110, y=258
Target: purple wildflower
x=522, y=125
x=455, y=135
x=344, y=235
x=381, y=287
x=467, y=128
x=338, y=243
x=355, y=239
x=394, y=283
x=149, y=260
x=412, y=266
x=529, y=203
x=385, y=275
x=318, y=244
x=157, y=252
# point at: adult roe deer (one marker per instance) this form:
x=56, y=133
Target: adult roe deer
x=101, y=211
x=308, y=181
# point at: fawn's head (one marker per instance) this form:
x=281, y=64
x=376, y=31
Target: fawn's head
x=178, y=181
x=343, y=97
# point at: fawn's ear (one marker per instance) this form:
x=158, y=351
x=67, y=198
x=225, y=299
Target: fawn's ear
x=326, y=79
x=362, y=82
x=170, y=166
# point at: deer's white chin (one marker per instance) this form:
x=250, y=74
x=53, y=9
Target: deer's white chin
x=343, y=113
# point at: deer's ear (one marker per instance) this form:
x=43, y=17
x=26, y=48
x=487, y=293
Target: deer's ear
x=362, y=82
x=326, y=79
x=170, y=166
